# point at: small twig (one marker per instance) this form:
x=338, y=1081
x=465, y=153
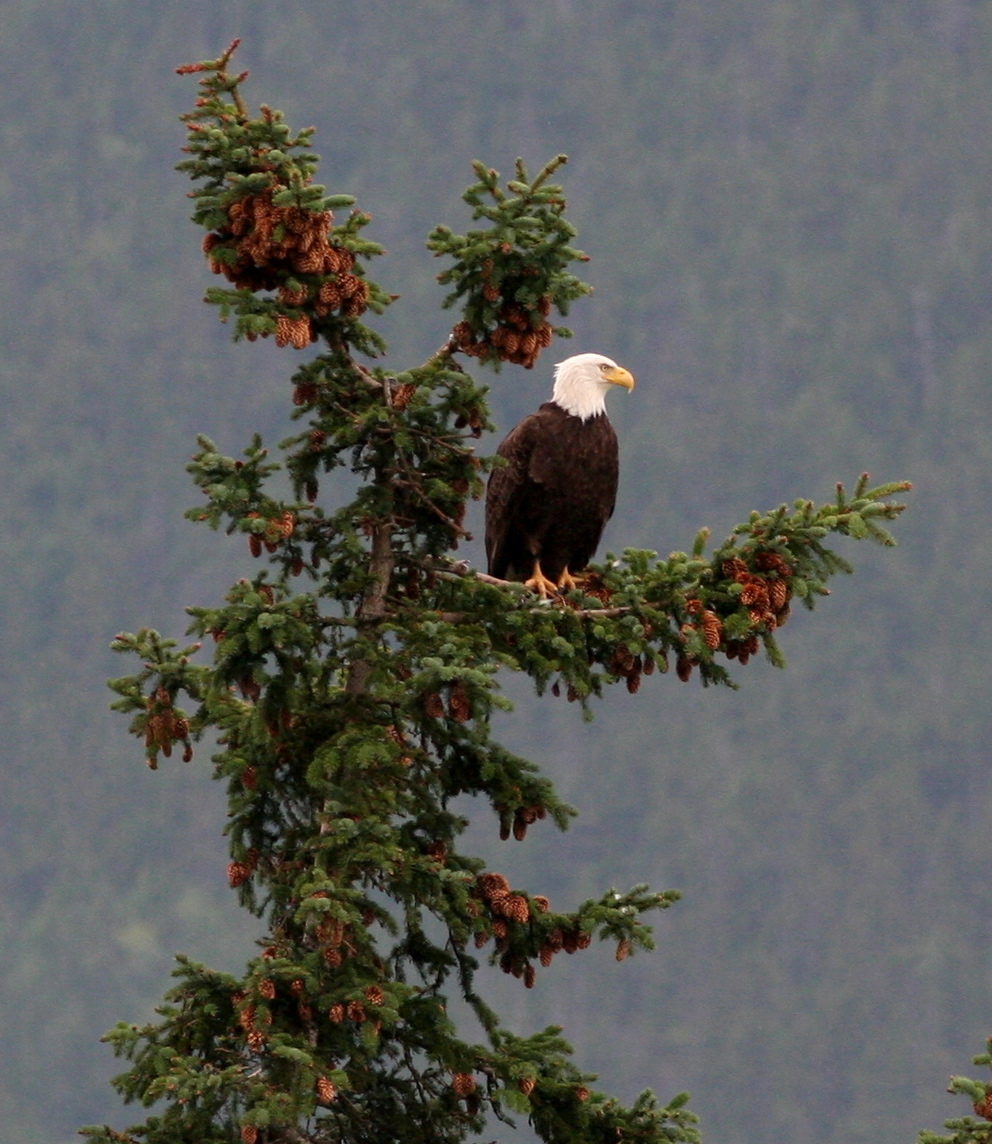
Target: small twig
x=449, y=348
x=239, y=103
x=414, y=487
x=462, y=568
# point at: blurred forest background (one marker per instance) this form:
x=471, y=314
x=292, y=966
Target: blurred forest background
x=789, y=210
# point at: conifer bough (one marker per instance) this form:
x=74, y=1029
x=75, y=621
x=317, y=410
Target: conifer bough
x=354, y=677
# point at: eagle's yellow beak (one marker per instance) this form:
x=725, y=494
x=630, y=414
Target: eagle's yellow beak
x=620, y=376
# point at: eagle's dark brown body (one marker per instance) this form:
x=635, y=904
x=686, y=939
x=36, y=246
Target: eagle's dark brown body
x=550, y=502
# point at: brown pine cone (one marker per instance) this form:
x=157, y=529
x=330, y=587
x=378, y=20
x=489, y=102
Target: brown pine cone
x=326, y=1090
x=463, y=1083
x=237, y=874
x=492, y=884
x=712, y=630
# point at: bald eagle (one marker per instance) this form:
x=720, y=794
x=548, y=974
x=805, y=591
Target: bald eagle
x=546, y=508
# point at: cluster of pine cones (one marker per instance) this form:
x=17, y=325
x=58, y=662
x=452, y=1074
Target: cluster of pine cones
x=459, y=704
x=765, y=596
x=523, y=817
x=264, y=262
x=765, y=593
x=164, y=726
x=515, y=338
x=504, y=905
x=277, y=529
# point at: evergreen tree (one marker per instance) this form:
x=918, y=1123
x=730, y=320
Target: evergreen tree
x=349, y=713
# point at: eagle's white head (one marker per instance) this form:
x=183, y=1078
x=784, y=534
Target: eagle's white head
x=582, y=381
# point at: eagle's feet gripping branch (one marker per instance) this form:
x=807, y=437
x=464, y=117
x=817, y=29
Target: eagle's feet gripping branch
x=544, y=587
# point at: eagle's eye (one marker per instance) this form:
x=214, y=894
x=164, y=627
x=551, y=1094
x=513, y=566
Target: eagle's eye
x=603, y=366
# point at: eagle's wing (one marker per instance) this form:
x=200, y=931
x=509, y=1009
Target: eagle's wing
x=507, y=492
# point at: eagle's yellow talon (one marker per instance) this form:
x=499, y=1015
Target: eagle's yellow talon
x=540, y=583
x=567, y=582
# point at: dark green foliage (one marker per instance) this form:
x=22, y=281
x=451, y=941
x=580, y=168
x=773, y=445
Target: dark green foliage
x=509, y=276
x=352, y=686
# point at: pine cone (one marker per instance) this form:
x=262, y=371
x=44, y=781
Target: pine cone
x=403, y=395
x=237, y=874
x=712, y=630
x=778, y=594
x=463, y=1083
x=497, y=901
x=326, y=1090
x=755, y=592
x=492, y=884
x=329, y=297
x=773, y=562
x=297, y=332
x=306, y=394
x=459, y=704
x=516, y=908
x=622, y=661
x=734, y=568
x=309, y=261
x=290, y=297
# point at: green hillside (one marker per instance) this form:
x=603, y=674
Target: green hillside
x=788, y=213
